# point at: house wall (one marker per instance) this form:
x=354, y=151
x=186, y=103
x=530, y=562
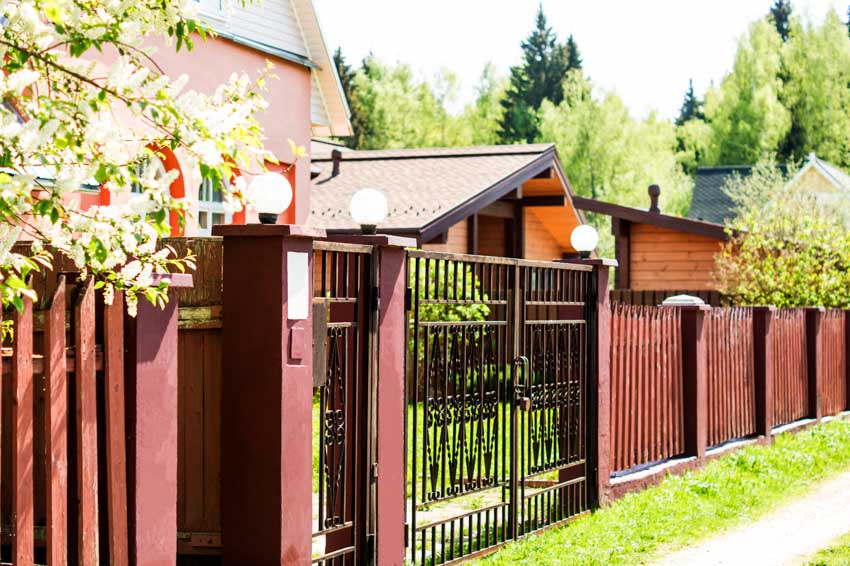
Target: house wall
x=491, y=236
x=813, y=182
x=456, y=242
x=539, y=242
x=287, y=116
x=663, y=259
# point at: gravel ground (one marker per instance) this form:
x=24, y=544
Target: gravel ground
x=784, y=537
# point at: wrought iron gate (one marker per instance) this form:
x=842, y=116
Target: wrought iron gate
x=343, y=326
x=499, y=390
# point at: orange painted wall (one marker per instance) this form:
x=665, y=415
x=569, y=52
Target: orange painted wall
x=539, y=242
x=662, y=259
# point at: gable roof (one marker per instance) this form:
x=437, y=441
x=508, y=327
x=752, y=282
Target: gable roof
x=427, y=190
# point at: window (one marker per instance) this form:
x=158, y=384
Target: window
x=150, y=165
x=214, y=8
x=210, y=208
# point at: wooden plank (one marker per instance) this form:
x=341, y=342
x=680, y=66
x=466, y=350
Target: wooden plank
x=56, y=439
x=194, y=435
x=212, y=430
x=116, y=454
x=21, y=436
x=86, y=408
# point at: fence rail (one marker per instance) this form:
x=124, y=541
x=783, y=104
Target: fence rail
x=646, y=385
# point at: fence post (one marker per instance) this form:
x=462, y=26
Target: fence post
x=694, y=379
x=267, y=389
x=763, y=362
x=151, y=400
x=814, y=359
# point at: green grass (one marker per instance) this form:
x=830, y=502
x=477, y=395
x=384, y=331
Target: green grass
x=684, y=509
x=838, y=554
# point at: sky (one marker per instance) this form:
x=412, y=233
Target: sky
x=645, y=51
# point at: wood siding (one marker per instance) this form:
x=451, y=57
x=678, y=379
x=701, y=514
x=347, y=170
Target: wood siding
x=455, y=242
x=491, y=236
x=273, y=23
x=664, y=259
x=540, y=244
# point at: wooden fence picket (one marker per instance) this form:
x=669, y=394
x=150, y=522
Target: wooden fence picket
x=21, y=436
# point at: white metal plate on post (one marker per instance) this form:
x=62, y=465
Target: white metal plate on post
x=297, y=285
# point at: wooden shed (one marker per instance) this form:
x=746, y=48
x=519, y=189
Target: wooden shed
x=660, y=255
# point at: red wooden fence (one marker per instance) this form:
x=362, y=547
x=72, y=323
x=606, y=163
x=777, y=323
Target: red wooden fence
x=731, y=374
x=791, y=376
x=646, y=385
x=833, y=368
x=59, y=398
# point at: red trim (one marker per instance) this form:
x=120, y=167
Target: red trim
x=238, y=217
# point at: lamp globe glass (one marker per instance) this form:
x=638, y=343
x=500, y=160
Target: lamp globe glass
x=368, y=207
x=584, y=238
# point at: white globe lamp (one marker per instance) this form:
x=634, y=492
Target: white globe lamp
x=368, y=208
x=272, y=196
x=584, y=239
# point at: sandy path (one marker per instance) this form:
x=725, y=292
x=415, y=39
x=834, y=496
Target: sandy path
x=784, y=537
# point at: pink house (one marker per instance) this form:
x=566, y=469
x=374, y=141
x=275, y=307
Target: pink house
x=306, y=101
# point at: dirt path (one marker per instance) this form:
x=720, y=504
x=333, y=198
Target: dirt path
x=784, y=537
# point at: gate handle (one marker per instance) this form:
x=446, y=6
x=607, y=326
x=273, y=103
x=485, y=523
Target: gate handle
x=523, y=402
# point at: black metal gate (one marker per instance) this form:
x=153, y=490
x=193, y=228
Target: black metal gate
x=499, y=389
x=343, y=413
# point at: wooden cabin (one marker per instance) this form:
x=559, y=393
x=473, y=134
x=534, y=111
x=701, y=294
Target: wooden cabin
x=508, y=201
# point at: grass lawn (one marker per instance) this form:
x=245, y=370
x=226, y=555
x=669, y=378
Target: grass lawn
x=683, y=509
x=836, y=555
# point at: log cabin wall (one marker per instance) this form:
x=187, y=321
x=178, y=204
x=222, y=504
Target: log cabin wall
x=662, y=259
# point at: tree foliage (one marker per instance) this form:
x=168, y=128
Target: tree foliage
x=817, y=90
x=66, y=120
x=539, y=77
x=780, y=15
x=788, y=248
x=747, y=118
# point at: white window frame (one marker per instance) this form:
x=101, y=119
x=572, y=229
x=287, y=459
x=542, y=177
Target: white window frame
x=207, y=207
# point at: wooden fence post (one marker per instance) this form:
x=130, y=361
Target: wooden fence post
x=267, y=393
x=763, y=362
x=151, y=416
x=694, y=379
x=814, y=357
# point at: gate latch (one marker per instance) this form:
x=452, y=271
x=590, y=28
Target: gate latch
x=523, y=403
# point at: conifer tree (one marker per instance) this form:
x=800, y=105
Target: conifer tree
x=574, y=61
x=780, y=15
x=539, y=77
x=691, y=106
x=346, y=79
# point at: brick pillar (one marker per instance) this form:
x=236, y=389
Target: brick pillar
x=151, y=402
x=694, y=379
x=814, y=357
x=763, y=361
x=390, y=493
x=267, y=387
